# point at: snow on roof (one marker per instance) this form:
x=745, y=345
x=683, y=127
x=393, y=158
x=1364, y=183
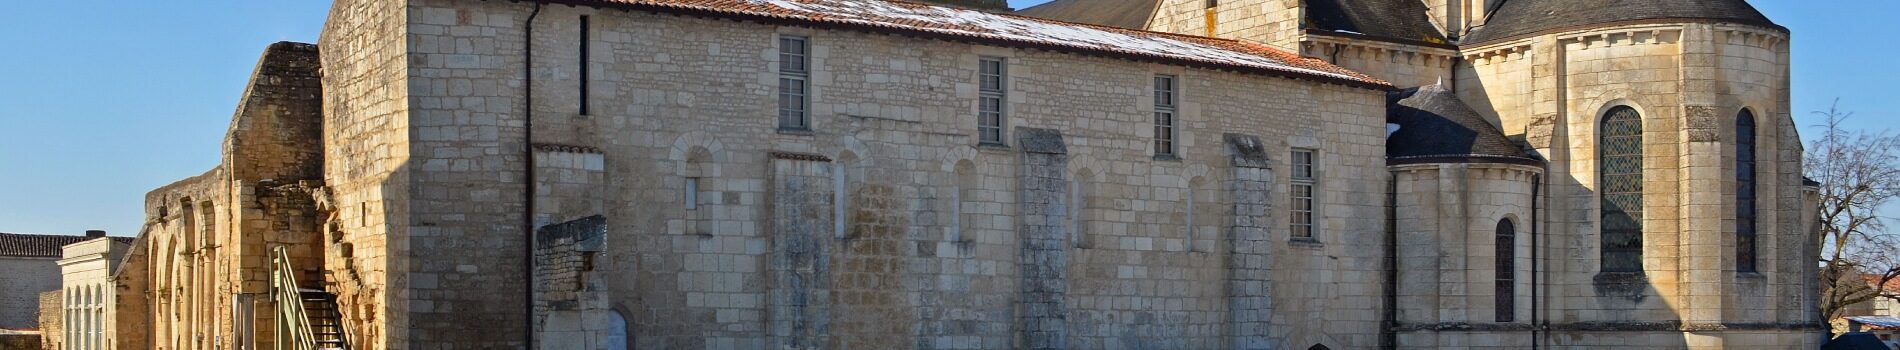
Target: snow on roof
x=974, y=24
x=1877, y=321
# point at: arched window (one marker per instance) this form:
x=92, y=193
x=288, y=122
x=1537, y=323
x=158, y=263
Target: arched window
x=962, y=201
x=1078, y=203
x=1745, y=192
x=1507, y=271
x=616, y=331
x=1620, y=170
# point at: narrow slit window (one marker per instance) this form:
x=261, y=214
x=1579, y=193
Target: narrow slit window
x=1165, y=116
x=956, y=214
x=1190, y=217
x=1745, y=186
x=584, y=78
x=838, y=205
x=992, y=100
x=1075, y=212
x=1620, y=168
x=794, y=90
x=692, y=193
x=1302, y=193
x=1506, y=271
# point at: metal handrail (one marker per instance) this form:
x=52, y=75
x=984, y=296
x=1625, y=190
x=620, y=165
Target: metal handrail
x=293, y=325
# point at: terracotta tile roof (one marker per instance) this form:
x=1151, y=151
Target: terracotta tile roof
x=40, y=246
x=999, y=29
x=1874, y=281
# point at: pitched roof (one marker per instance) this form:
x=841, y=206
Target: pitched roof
x=1517, y=18
x=1403, y=20
x=1436, y=127
x=41, y=246
x=957, y=24
x=1131, y=14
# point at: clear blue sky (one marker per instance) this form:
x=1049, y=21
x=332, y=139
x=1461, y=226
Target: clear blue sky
x=96, y=110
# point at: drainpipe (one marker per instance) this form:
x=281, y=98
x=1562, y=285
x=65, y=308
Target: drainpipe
x=1537, y=186
x=1389, y=332
x=527, y=191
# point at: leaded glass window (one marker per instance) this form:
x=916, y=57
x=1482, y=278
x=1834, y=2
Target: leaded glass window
x=1745, y=192
x=1620, y=169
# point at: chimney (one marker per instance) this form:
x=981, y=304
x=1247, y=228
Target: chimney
x=95, y=233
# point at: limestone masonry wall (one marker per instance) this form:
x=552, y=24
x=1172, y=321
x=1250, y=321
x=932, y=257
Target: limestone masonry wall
x=366, y=134
x=930, y=254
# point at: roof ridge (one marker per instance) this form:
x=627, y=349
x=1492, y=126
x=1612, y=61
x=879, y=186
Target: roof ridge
x=1058, y=21
x=1013, y=30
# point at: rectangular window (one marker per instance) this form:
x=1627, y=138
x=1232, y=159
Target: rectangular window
x=794, y=96
x=993, y=76
x=1302, y=193
x=1165, y=116
x=583, y=66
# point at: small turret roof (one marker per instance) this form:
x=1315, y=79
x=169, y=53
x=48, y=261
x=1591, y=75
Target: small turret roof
x=1436, y=127
x=1517, y=18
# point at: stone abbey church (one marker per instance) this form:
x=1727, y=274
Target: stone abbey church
x=1083, y=174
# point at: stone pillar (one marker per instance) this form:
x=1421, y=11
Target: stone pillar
x=1249, y=273
x=799, y=296
x=1044, y=208
x=1707, y=256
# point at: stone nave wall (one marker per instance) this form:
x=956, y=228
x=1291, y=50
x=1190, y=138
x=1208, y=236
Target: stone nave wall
x=930, y=254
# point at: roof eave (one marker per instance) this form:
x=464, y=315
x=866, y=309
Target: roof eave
x=1463, y=159
x=1361, y=36
x=884, y=29
x=1661, y=20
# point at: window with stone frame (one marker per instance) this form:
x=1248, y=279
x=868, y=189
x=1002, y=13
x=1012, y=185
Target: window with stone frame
x=794, y=90
x=1506, y=271
x=1745, y=186
x=1165, y=116
x=1620, y=172
x=992, y=100
x=1301, y=193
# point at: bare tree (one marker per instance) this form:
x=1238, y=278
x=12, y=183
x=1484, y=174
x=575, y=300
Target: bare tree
x=1859, y=172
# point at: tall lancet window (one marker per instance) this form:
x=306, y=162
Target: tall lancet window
x=1745, y=192
x=1620, y=170
x=1507, y=271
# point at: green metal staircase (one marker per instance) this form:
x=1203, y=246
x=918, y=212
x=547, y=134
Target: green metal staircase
x=307, y=319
